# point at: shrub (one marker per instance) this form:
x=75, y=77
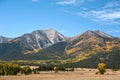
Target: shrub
x=55, y=69
x=26, y=70
x=36, y=71
x=101, y=68
x=9, y=69
x=1, y=70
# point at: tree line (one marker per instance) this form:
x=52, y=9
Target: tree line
x=54, y=68
x=14, y=69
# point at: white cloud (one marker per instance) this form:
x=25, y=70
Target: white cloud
x=35, y=0
x=114, y=31
x=111, y=16
x=67, y=2
x=114, y=3
x=73, y=2
x=106, y=15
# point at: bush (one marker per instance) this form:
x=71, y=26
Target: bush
x=101, y=68
x=55, y=69
x=9, y=69
x=36, y=71
x=1, y=70
x=26, y=70
x=45, y=68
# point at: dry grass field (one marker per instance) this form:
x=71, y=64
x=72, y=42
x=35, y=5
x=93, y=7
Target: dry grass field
x=80, y=74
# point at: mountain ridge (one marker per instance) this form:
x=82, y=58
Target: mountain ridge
x=4, y=39
x=82, y=48
x=55, y=30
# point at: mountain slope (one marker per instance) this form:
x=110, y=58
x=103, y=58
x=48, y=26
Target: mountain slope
x=4, y=39
x=111, y=59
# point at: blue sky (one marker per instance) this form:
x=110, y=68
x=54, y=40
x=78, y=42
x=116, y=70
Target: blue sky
x=69, y=17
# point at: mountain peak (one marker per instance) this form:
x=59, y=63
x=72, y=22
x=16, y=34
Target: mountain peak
x=99, y=33
x=88, y=33
x=50, y=30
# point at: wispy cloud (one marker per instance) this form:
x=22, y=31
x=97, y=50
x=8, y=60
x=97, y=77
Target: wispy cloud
x=67, y=2
x=111, y=15
x=73, y=2
x=35, y=0
x=114, y=3
x=117, y=31
x=114, y=31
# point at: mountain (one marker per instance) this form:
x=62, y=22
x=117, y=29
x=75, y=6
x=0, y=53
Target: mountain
x=38, y=40
x=90, y=47
x=93, y=47
x=4, y=39
x=94, y=41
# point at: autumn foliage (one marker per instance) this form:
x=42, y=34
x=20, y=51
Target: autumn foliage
x=101, y=68
x=55, y=68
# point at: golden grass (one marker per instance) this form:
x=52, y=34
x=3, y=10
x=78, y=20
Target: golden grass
x=80, y=74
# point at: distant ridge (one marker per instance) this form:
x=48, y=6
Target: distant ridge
x=4, y=39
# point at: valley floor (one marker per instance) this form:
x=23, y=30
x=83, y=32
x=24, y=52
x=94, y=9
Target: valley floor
x=76, y=75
